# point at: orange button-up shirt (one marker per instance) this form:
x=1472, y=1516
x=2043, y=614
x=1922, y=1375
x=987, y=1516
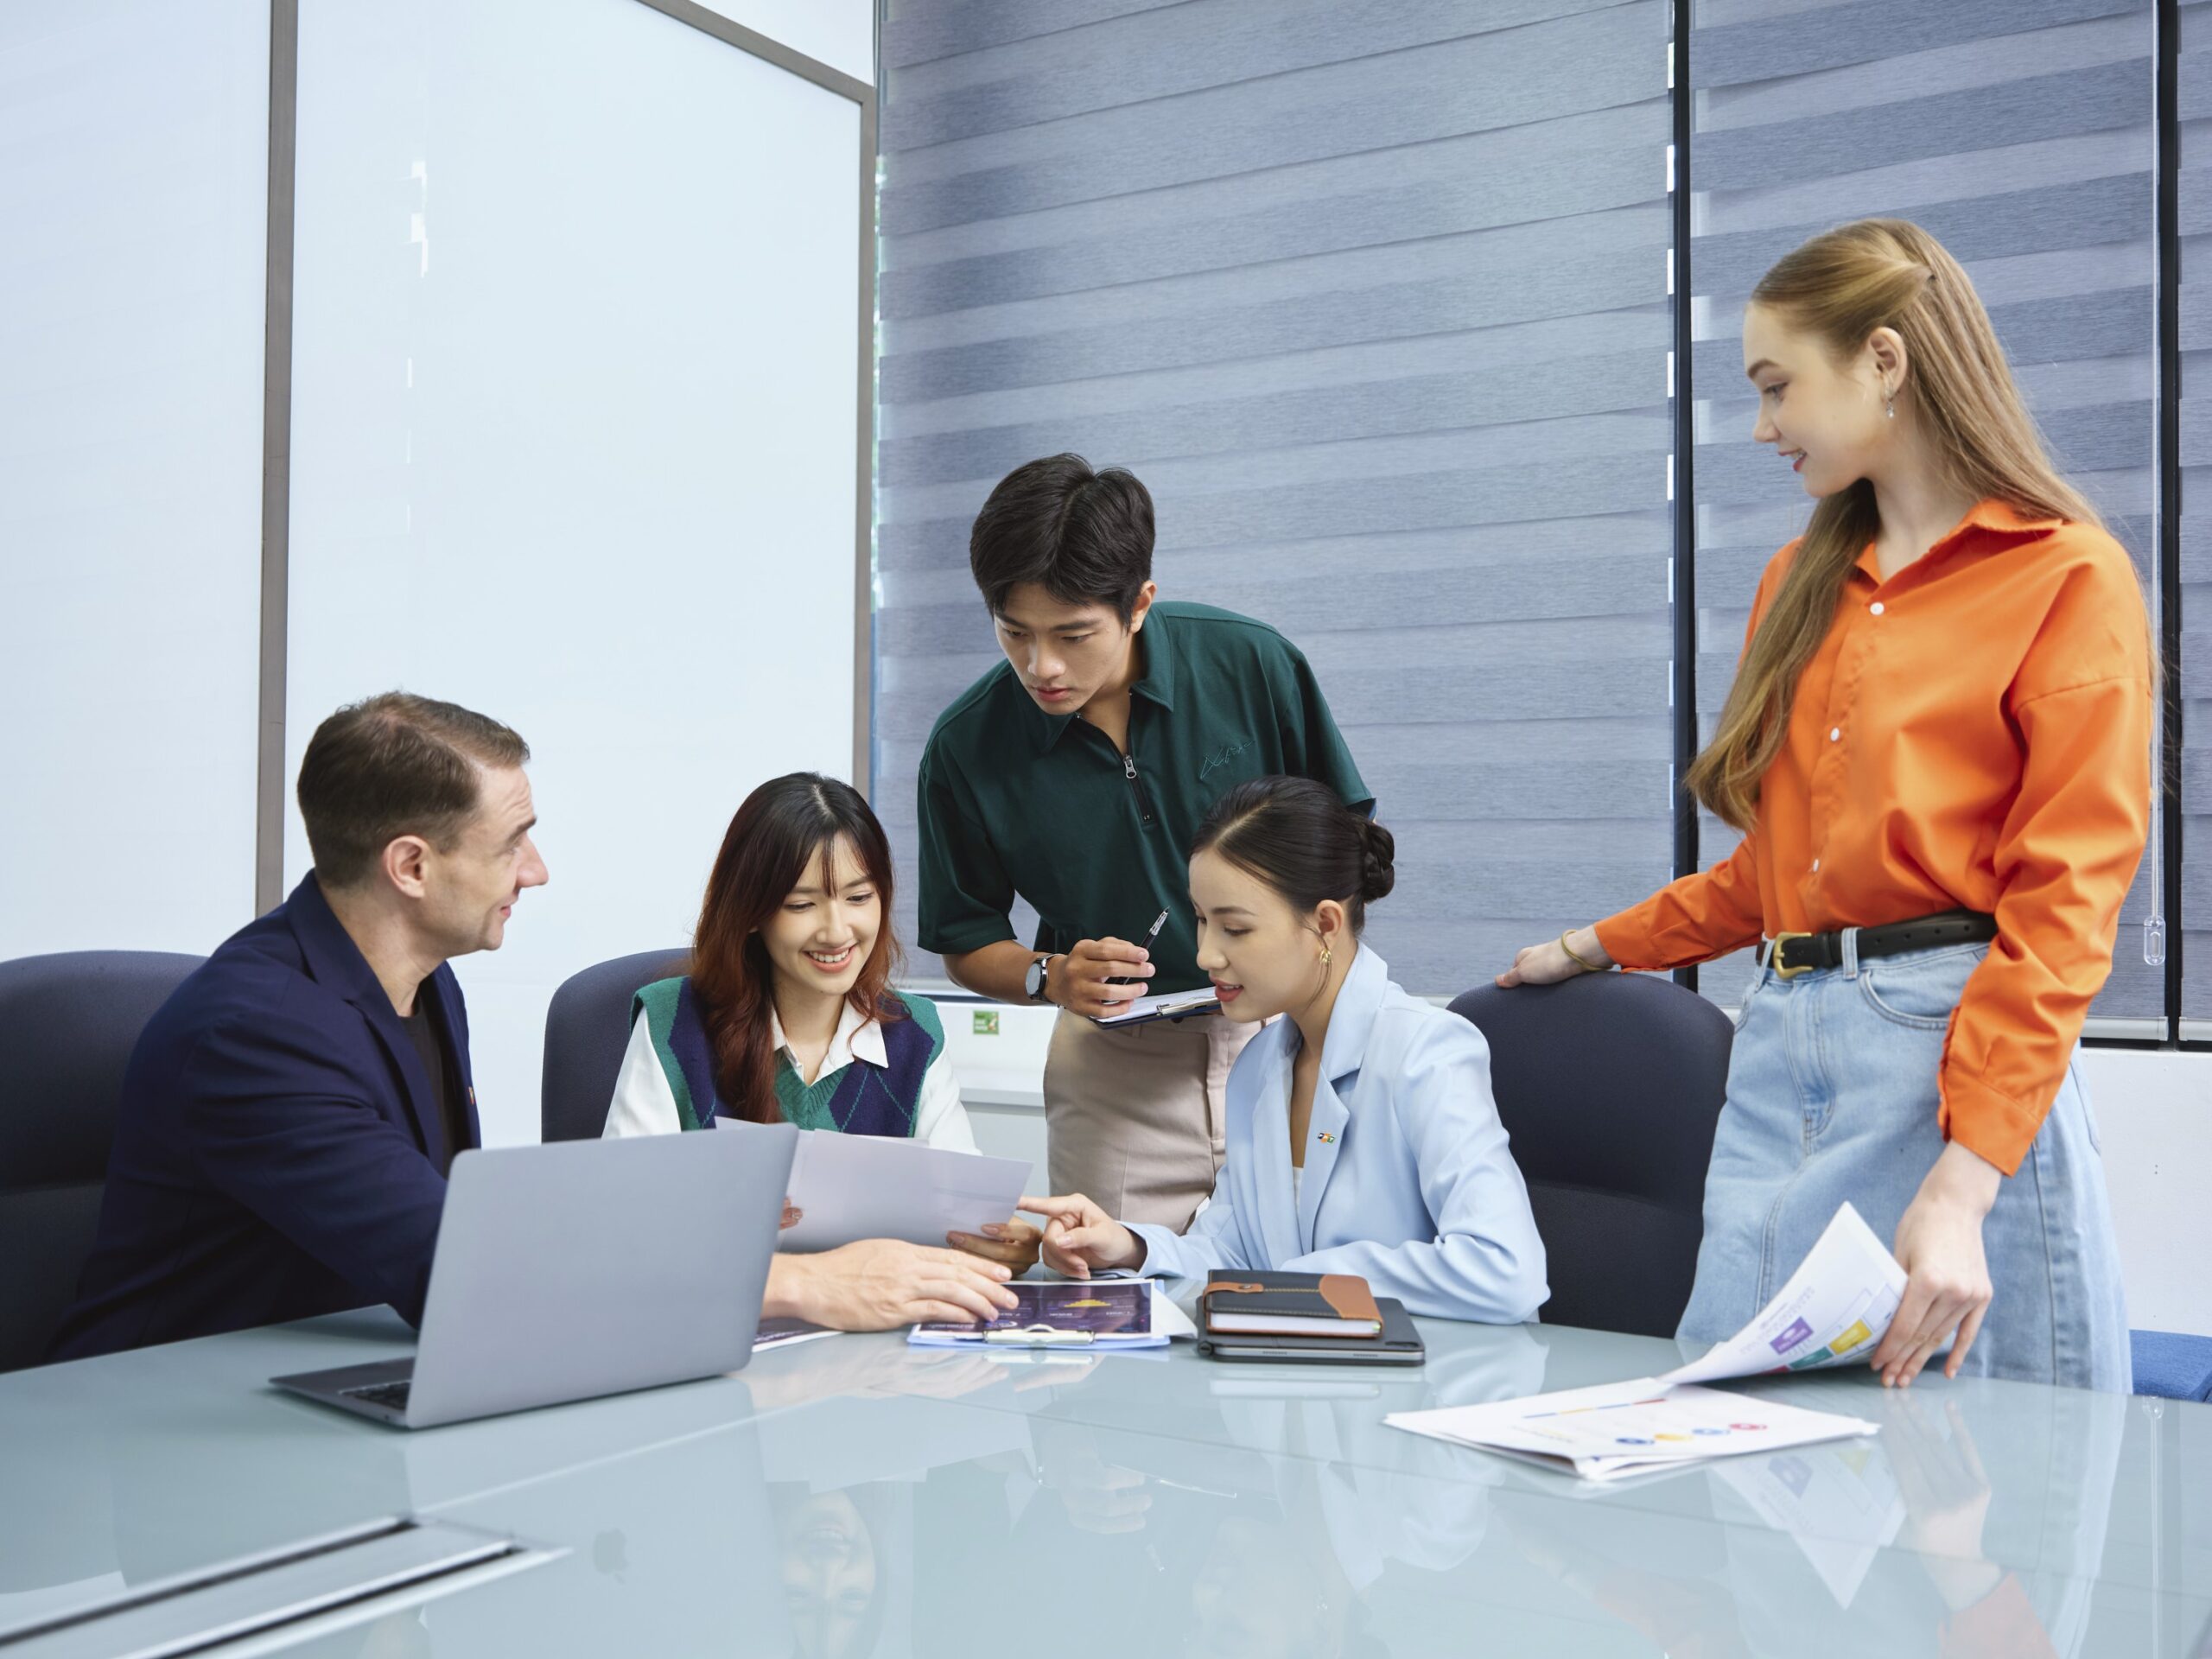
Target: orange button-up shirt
x=1972, y=733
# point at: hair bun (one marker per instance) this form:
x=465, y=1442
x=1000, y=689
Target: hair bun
x=1378, y=853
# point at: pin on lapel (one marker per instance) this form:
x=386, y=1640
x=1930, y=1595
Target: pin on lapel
x=1324, y=1137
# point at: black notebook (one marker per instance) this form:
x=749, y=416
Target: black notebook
x=1399, y=1345
x=1251, y=1304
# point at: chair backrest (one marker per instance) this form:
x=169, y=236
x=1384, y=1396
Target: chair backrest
x=586, y=1028
x=67, y=1026
x=1611, y=1086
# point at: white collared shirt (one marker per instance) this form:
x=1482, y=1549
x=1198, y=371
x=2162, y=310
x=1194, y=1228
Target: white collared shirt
x=644, y=1104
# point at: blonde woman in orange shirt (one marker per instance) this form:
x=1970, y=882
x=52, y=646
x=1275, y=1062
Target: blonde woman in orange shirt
x=1937, y=747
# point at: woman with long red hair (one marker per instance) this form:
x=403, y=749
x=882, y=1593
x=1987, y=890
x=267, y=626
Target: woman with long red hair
x=788, y=1017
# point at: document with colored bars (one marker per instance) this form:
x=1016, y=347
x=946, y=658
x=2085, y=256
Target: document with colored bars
x=1836, y=1307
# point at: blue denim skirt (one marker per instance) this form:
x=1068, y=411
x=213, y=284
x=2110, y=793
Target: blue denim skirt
x=1832, y=1096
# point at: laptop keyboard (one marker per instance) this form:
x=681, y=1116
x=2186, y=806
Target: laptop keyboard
x=391, y=1394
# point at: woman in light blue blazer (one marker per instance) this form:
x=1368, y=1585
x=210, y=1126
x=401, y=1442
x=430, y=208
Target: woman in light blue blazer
x=1362, y=1135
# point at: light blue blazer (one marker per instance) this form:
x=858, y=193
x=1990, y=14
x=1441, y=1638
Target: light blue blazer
x=1407, y=1179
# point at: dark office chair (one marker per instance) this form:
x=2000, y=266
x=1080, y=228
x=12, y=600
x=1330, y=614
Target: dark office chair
x=586, y=1028
x=1610, y=1086
x=67, y=1026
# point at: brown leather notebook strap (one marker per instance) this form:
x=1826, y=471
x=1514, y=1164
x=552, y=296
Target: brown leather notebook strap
x=1351, y=1296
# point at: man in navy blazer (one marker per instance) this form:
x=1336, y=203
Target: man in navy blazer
x=289, y=1116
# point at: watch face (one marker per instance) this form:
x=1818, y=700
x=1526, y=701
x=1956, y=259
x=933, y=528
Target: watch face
x=1036, y=980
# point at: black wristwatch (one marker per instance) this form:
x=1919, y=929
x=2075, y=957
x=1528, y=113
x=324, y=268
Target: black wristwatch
x=1034, y=982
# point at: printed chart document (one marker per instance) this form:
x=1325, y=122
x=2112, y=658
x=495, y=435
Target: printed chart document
x=1835, y=1308
x=1071, y=1313
x=1629, y=1429
x=1169, y=1005
x=854, y=1186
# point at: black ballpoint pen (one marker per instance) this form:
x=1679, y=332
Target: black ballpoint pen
x=1148, y=939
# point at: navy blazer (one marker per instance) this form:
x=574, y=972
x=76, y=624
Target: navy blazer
x=276, y=1148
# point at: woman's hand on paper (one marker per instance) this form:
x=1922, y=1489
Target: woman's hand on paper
x=879, y=1284
x=1012, y=1244
x=1946, y=1275
x=1079, y=1236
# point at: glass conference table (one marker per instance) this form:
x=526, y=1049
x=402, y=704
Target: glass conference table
x=852, y=1497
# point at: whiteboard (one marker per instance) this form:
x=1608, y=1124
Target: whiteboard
x=576, y=355
x=134, y=145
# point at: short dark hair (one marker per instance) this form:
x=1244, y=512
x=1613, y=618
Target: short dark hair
x=1299, y=837
x=394, y=764
x=1085, y=536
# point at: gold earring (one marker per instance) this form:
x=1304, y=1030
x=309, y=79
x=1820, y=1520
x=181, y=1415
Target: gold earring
x=1327, y=955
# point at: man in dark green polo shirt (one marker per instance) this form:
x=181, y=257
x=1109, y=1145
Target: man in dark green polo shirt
x=1074, y=775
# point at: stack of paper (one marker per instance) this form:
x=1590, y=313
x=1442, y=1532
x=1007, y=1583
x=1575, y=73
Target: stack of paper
x=1836, y=1307
x=1629, y=1428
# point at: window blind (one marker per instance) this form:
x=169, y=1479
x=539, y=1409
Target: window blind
x=1374, y=299
x=2021, y=135
x=2194, y=224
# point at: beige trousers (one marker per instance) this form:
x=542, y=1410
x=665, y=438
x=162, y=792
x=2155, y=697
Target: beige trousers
x=1134, y=1118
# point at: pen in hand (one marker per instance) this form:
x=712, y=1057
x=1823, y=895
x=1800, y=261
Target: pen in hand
x=1148, y=939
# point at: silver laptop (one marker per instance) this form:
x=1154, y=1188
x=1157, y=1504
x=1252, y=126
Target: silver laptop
x=582, y=1269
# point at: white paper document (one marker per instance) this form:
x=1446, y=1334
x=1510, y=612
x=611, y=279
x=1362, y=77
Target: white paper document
x=848, y=1187
x=1627, y=1428
x=1835, y=1308
x=1169, y=1005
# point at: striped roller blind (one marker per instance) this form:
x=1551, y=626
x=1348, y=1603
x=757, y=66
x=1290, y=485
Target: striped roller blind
x=1374, y=298
x=2194, y=224
x=2019, y=131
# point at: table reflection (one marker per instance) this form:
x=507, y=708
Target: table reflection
x=1907, y=1538
x=855, y=1499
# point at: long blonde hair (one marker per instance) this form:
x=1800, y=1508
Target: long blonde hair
x=1839, y=288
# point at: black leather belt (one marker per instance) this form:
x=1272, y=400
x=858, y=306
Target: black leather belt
x=1792, y=954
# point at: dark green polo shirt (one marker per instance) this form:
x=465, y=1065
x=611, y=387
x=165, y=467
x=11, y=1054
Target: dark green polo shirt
x=1014, y=800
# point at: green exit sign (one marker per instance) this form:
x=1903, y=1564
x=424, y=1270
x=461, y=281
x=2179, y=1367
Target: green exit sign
x=986, y=1022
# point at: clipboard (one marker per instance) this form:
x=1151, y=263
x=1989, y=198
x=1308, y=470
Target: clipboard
x=1171, y=1005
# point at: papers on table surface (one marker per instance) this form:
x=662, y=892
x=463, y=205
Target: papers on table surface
x=1169, y=1005
x=782, y=1333
x=1123, y=1313
x=1627, y=1428
x=848, y=1187
x=1835, y=1308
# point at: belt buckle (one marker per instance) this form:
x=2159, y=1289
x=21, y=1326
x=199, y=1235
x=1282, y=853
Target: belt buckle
x=1774, y=959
